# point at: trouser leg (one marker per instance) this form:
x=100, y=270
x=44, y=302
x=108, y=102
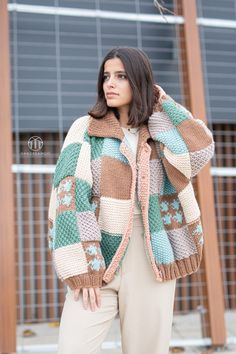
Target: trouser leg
x=83, y=331
x=146, y=305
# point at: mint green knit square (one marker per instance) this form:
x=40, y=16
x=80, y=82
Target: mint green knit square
x=67, y=232
x=83, y=193
x=154, y=214
x=96, y=147
x=66, y=164
x=162, y=248
x=87, y=137
x=109, y=245
x=176, y=112
x=167, y=187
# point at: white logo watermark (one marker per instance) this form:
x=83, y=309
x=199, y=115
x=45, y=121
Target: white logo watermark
x=35, y=143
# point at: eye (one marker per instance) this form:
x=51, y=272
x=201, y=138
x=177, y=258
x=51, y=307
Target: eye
x=123, y=75
x=105, y=77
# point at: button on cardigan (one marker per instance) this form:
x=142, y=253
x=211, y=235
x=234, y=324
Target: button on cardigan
x=93, y=195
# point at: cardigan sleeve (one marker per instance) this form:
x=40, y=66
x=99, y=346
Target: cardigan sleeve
x=186, y=142
x=73, y=232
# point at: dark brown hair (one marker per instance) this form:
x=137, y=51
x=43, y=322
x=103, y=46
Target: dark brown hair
x=140, y=76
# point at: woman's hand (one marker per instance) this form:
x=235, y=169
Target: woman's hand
x=90, y=295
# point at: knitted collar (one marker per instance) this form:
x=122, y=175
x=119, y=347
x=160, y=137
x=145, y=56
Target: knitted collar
x=109, y=127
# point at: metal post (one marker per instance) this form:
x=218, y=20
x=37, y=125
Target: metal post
x=7, y=247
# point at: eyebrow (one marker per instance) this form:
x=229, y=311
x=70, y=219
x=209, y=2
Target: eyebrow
x=116, y=72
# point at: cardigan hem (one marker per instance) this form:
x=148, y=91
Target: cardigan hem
x=180, y=268
x=84, y=281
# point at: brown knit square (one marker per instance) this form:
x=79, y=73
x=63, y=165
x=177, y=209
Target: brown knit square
x=116, y=178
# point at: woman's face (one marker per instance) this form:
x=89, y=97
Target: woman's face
x=115, y=81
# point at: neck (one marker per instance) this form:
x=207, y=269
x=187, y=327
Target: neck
x=123, y=113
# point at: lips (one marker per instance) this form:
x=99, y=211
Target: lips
x=111, y=94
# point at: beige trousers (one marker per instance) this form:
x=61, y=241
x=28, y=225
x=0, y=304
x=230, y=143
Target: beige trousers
x=145, y=308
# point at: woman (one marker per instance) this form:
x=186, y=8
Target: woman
x=124, y=223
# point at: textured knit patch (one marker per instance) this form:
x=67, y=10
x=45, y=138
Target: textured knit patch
x=173, y=140
x=51, y=234
x=156, y=176
x=95, y=205
x=196, y=231
x=88, y=227
x=94, y=256
x=194, y=135
x=161, y=247
x=200, y=158
x=109, y=245
x=52, y=204
x=181, y=162
x=77, y=132
x=66, y=261
x=83, y=191
x=83, y=169
x=66, y=164
x=177, y=178
x=182, y=244
x=65, y=195
x=154, y=150
x=160, y=122
x=113, y=215
x=116, y=178
x=171, y=212
x=96, y=172
x=111, y=148
x=96, y=147
x=86, y=137
x=154, y=214
x=67, y=232
x=175, y=111
x=189, y=203
x=167, y=188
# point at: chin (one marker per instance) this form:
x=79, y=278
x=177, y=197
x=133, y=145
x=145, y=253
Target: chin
x=112, y=104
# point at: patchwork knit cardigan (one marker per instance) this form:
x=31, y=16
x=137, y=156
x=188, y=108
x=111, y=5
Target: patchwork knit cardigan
x=93, y=196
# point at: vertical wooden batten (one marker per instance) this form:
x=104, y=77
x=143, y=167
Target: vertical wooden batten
x=194, y=91
x=7, y=242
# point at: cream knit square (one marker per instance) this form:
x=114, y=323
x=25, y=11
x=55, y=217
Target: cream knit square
x=52, y=205
x=113, y=216
x=76, y=131
x=83, y=167
x=181, y=161
x=189, y=203
x=70, y=261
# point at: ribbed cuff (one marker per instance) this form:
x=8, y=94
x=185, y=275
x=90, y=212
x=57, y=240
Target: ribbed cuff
x=85, y=281
x=181, y=268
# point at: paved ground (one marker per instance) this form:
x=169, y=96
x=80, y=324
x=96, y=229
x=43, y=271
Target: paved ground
x=186, y=333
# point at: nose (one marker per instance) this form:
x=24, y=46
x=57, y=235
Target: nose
x=111, y=82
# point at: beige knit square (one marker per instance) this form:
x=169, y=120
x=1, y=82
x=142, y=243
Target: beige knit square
x=114, y=213
x=181, y=161
x=76, y=131
x=70, y=260
x=52, y=205
x=83, y=168
x=189, y=203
